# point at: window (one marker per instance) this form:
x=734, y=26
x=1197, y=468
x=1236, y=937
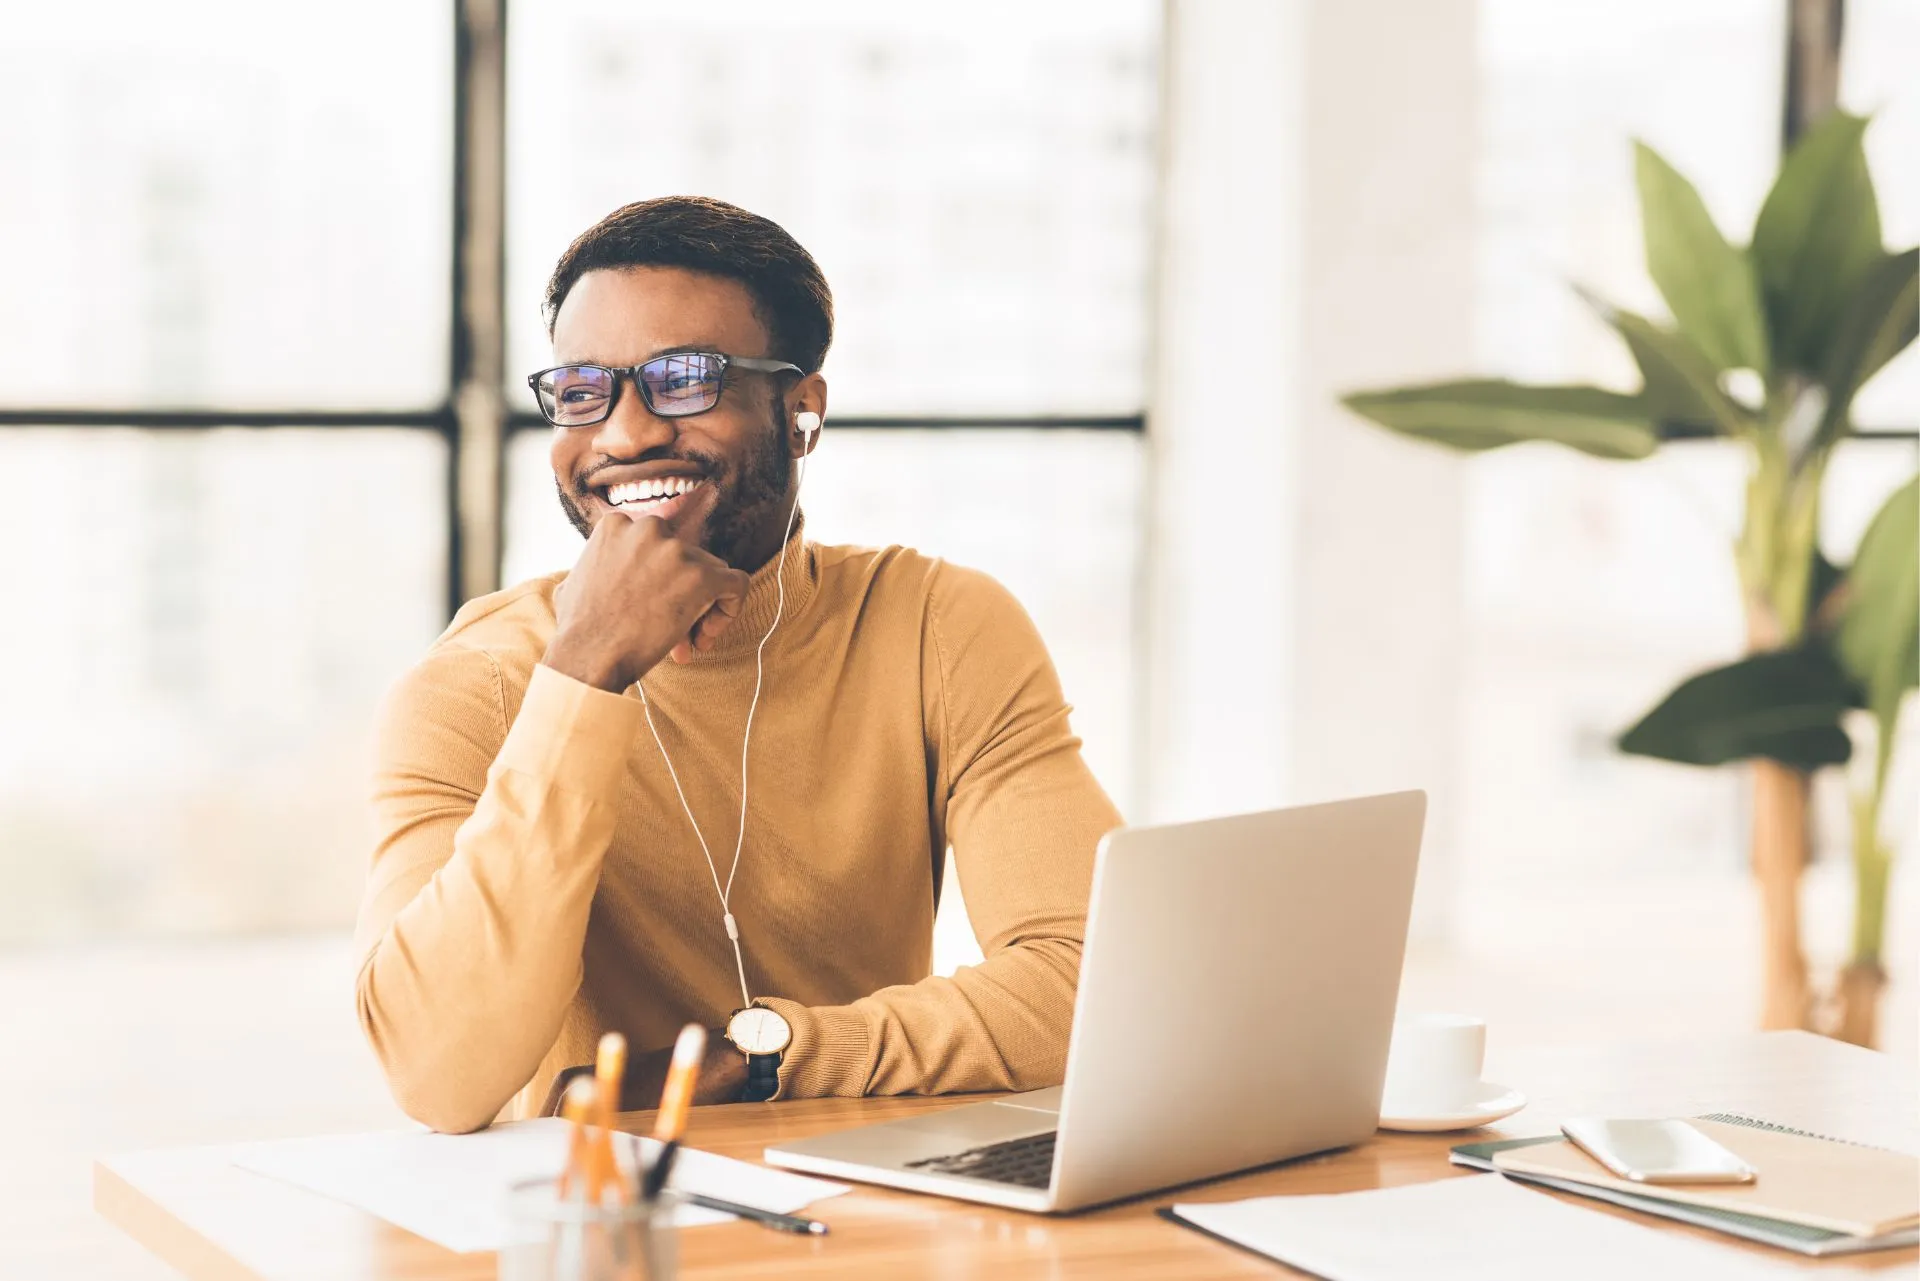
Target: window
x=1054, y=515
x=976, y=186
x=204, y=622
x=235, y=212
x=229, y=458
x=1592, y=586
x=231, y=205
x=979, y=195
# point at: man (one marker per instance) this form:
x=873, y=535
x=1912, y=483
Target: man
x=558, y=790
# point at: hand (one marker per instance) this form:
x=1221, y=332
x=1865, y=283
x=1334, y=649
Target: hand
x=723, y=1074
x=636, y=595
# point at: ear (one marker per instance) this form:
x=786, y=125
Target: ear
x=808, y=396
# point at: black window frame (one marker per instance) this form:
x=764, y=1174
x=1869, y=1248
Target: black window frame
x=474, y=417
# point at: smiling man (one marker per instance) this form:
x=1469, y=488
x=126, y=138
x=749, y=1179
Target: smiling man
x=711, y=773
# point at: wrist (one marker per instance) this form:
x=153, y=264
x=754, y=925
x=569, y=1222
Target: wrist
x=724, y=1075
x=581, y=663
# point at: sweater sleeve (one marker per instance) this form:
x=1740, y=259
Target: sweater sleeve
x=488, y=845
x=1023, y=814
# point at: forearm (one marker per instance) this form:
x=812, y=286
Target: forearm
x=473, y=959
x=999, y=1025
x=1023, y=815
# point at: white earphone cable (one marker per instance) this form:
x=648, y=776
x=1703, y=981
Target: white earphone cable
x=746, y=741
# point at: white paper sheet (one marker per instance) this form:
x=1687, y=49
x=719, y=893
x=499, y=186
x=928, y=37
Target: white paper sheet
x=1475, y=1228
x=451, y=1188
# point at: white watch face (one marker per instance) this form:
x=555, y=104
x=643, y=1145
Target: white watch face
x=758, y=1030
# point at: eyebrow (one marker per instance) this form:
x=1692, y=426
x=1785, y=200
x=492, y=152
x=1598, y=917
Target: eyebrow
x=684, y=349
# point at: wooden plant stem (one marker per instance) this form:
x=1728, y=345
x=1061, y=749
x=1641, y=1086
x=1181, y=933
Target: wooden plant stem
x=1856, y=1003
x=1853, y=1014
x=1779, y=852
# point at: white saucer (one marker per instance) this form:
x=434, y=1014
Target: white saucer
x=1489, y=1103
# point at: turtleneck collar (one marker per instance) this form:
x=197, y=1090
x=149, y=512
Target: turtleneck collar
x=798, y=569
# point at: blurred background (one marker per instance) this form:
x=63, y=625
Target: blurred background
x=1102, y=269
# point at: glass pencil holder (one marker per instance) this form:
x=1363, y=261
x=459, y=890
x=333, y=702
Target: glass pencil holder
x=555, y=1238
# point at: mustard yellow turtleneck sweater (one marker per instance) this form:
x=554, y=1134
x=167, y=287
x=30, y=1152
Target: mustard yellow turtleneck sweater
x=535, y=881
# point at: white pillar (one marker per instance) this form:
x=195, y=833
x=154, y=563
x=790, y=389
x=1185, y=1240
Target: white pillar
x=1304, y=603
x=1220, y=476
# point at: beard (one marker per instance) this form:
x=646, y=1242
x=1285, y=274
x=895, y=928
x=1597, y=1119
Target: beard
x=746, y=499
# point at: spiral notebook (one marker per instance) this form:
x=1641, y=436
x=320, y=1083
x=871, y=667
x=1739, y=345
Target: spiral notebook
x=1820, y=1184
x=1471, y=1229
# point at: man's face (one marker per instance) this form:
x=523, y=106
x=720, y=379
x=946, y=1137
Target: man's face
x=736, y=452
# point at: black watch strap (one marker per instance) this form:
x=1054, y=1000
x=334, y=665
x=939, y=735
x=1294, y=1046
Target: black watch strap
x=763, y=1078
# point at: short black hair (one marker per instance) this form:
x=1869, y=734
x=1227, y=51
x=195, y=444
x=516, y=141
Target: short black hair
x=790, y=295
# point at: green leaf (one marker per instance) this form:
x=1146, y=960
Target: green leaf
x=1878, y=640
x=1817, y=236
x=1881, y=318
x=1784, y=705
x=1682, y=391
x=1486, y=413
x=1709, y=284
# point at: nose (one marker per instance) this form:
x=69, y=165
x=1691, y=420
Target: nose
x=631, y=429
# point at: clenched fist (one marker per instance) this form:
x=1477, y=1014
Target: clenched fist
x=636, y=595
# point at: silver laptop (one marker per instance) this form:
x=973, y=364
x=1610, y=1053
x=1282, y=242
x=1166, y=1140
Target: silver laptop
x=1236, y=999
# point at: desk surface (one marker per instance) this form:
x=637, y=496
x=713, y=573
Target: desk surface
x=216, y=1222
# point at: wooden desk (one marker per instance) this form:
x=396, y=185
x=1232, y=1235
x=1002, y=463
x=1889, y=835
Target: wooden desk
x=216, y=1222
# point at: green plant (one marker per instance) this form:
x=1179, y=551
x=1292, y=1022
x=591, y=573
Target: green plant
x=1813, y=306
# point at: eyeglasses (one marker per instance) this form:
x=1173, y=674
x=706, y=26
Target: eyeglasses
x=673, y=386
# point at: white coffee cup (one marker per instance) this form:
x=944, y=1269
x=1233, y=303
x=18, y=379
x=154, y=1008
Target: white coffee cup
x=1433, y=1067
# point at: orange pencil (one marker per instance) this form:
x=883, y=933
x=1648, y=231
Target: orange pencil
x=683, y=1073
x=610, y=1065
x=577, y=1105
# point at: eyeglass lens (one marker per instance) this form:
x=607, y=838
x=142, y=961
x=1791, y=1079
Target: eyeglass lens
x=672, y=386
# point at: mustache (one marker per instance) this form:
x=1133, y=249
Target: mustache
x=708, y=465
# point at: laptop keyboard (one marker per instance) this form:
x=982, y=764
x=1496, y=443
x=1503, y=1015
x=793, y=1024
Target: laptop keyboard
x=1026, y=1163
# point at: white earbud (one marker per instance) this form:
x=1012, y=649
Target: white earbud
x=807, y=423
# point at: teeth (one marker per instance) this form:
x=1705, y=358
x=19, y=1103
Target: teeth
x=647, y=491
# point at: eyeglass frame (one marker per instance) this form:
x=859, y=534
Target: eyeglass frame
x=631, y=373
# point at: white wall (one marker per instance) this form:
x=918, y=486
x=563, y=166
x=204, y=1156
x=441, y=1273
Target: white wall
x=1304, y=601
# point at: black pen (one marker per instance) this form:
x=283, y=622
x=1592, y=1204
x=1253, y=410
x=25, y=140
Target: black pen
x=783, y=1222
x=780, y=1222
x=654, y=1179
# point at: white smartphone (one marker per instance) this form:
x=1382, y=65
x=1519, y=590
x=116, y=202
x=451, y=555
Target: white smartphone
x=1656, y=1151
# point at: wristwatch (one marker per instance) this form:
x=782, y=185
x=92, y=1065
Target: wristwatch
x=763, y=1036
